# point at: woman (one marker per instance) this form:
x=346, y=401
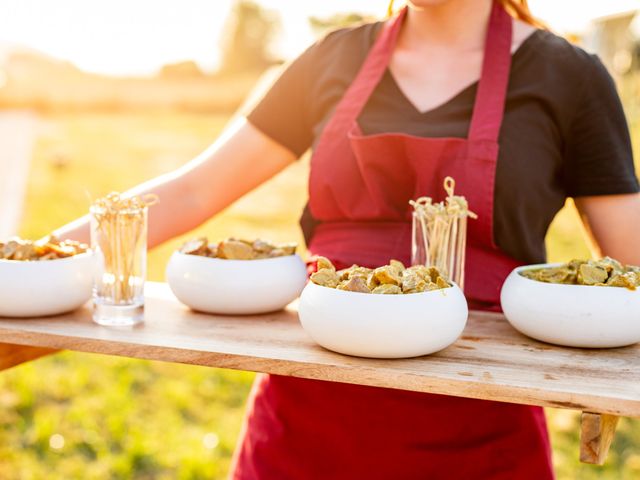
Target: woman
x=390, y=109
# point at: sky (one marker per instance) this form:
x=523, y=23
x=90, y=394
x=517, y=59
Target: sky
x=137, y=37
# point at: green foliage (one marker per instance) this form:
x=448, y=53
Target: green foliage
x=120, y=419
x=132, y=419
x=248, y=35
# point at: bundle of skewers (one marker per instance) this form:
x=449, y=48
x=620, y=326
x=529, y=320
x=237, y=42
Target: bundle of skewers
x=119, y=233
x=440, y=232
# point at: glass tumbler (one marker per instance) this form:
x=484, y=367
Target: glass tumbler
x=119, y=242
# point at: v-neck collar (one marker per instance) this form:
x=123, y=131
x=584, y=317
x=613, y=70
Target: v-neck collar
x=522, y=48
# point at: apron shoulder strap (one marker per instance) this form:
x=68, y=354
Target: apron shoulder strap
x=370, y=73
x=492, y=87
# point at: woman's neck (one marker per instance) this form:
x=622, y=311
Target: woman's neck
x=459, y=25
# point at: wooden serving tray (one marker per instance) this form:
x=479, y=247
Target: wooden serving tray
x=489, y=361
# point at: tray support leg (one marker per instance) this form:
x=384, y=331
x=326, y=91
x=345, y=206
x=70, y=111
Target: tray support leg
x=12, y=355
x=596, y=433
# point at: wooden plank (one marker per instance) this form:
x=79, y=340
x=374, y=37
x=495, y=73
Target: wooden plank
x=490, y=361
x=596, y=433
x=12, y=355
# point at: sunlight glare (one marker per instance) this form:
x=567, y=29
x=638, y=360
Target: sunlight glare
x=121, y=37
x=210, y=441
x=56, y=441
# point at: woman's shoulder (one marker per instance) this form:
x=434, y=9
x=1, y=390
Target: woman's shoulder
x=558, y=52
x=358, y=35
x=345, y=46
x=562, y=72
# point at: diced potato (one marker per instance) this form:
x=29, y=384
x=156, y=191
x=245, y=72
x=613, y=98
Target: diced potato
x=592, y=274
x=261, y=246
x=397, y=265
x=387, y=275
x=354, y=284
x=326, y=278
x=628, y=280
x=372, y=280
x=195, y=247
x=288, y=248
x=387, y=289
x=325, y=263
x=235, y=250
x=412, y=282
x=354, y=271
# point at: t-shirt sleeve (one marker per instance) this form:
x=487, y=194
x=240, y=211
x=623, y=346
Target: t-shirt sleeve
x=599, y=158
x=283, y=111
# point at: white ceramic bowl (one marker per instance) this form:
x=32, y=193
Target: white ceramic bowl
x=571, y=315
x=383, y=326
x=47, y=287
x=236, y=287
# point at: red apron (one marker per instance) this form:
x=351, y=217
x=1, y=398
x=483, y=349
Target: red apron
x=359, y=190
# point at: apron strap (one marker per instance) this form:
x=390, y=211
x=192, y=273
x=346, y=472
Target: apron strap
x=492, y=87
x=369, y=75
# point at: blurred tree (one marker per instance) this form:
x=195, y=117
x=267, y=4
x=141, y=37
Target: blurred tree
x=247, y=37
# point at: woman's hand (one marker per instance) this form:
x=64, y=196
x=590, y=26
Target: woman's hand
x=240, y=160
x=613, y=223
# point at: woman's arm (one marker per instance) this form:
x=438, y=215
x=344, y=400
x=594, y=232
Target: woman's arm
x=240, y=160
x=613, y=223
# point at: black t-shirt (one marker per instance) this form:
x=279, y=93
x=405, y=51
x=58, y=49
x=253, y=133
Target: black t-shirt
x=564, y=133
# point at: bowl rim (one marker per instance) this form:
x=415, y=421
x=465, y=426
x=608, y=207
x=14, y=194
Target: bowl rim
x=231, y=261
x=522, y=268
x=71, y=258
x=362, y=294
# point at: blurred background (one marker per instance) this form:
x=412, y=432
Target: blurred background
x=98, y=96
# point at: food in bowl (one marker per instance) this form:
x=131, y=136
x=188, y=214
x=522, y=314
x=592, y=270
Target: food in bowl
x=236, y=277
x=238, y=249
x=48, y=248
x=392, y=279
x=417, y=314
x=571, y=314
x=42, y=278
x=404, y=312
x=606, y=272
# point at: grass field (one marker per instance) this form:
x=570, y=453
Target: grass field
x=77, y=416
